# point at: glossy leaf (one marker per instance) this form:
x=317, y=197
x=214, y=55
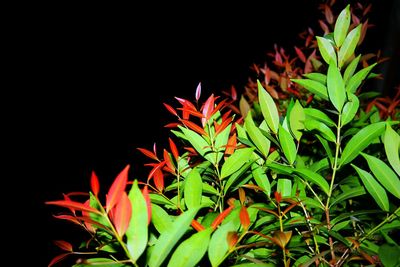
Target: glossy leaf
x=244, y=217
x=168, y=239
x=350, y=109
x=327, y=50
x=349, y=45
x=288, y=145
x=350, y=69
x=336, y=89
x=316, y=76
x=317, y=114
x=192, y=250
x=262, y=143
x=354, y=192
x=221, y=142
x=94, y=184
x=235, y=161
x=373, y=188
x=73, y=205
x=261, y=178
x=137, y=232
x=218, y=245
x=122, y=214
x=198, y=143
x=296, y=120
x=268, y=108
x=314, y=87
x=326, y=132
x=161, y=220
x=116, y=189
x=342, y=26
x=314, y=178
x=391, y=140
x=360, y=141
x=356, y=80
x=384, y=174
x=218, y=220
x=284, y=187
x=193, y=189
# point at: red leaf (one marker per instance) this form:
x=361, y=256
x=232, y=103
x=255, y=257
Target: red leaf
x=221, y=217
x=157, y=166
x=194, y=127
x=197, y=226
x=148, y=153
x=231, y=145
x=232, y=239
x=233, y=93
x=198, y=91
x=244, y=217
x=174, y=150
x=191, y=112
x=73, y=205
x=300, y=54
x=159, y=180
x=208, y=108
x=122, y=214
x=68, y=218
x=94, y=184
x=242, y=195
x=146, y=196
x=278, y=196
x=57, y=259
x=64, y=245
x=171, y=109
x=328, y=14
x=116, y=189
x=167, y=160
x=219, y=106
x=171, y=125
x=220, y=128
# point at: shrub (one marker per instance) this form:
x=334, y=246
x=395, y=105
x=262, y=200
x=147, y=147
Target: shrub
x=282, y=179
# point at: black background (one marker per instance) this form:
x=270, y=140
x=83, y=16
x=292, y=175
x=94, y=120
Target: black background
x=95, y=77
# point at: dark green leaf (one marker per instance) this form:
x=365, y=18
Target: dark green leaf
x=373, y=188
x=384, y=174
x=356, y=80
x=350, y=109
x=261, y=142
x=318, y=115
x=387, y=255
x=199, y=144
x=261, y=178
x=314, y=178
x=325, y=131
x=360, y=141
x=351, y=193
x=288, y=145
x=284, y=187
x=235, y=161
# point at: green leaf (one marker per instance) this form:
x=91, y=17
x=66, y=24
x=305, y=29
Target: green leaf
x=235, y=161
x=168, y=239
x=137, y=232
x=373, y=188
x=356, y=80
x=236, y=175
x=360, y=141
x=350, y=109
x=244, y=106
x=192, y=250
x=325, y=131
x=268, y=108
x=314, y=87
x=318, y=115
x=349, y=45
x=314, y=178
x=218, y=245
x=327, y=50
x=342, y=26
x=160, y=218
x=193, y=189
x=296, y=120
x=350, y=69
x=316, y=76
x=261, y=178
x=387, y=254
x=391, y=140
x=284, y=187
x=288, y=145
x=384, y=174
x=220, y=143
x=100, y=262
x=352, y=193
x=336, y=89
x=199, y=144
x=261, y=142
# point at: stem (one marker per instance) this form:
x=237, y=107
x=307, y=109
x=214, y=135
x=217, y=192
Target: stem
x=334, y=169
x=387, y=219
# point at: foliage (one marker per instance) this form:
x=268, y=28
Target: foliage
x=277, y=181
